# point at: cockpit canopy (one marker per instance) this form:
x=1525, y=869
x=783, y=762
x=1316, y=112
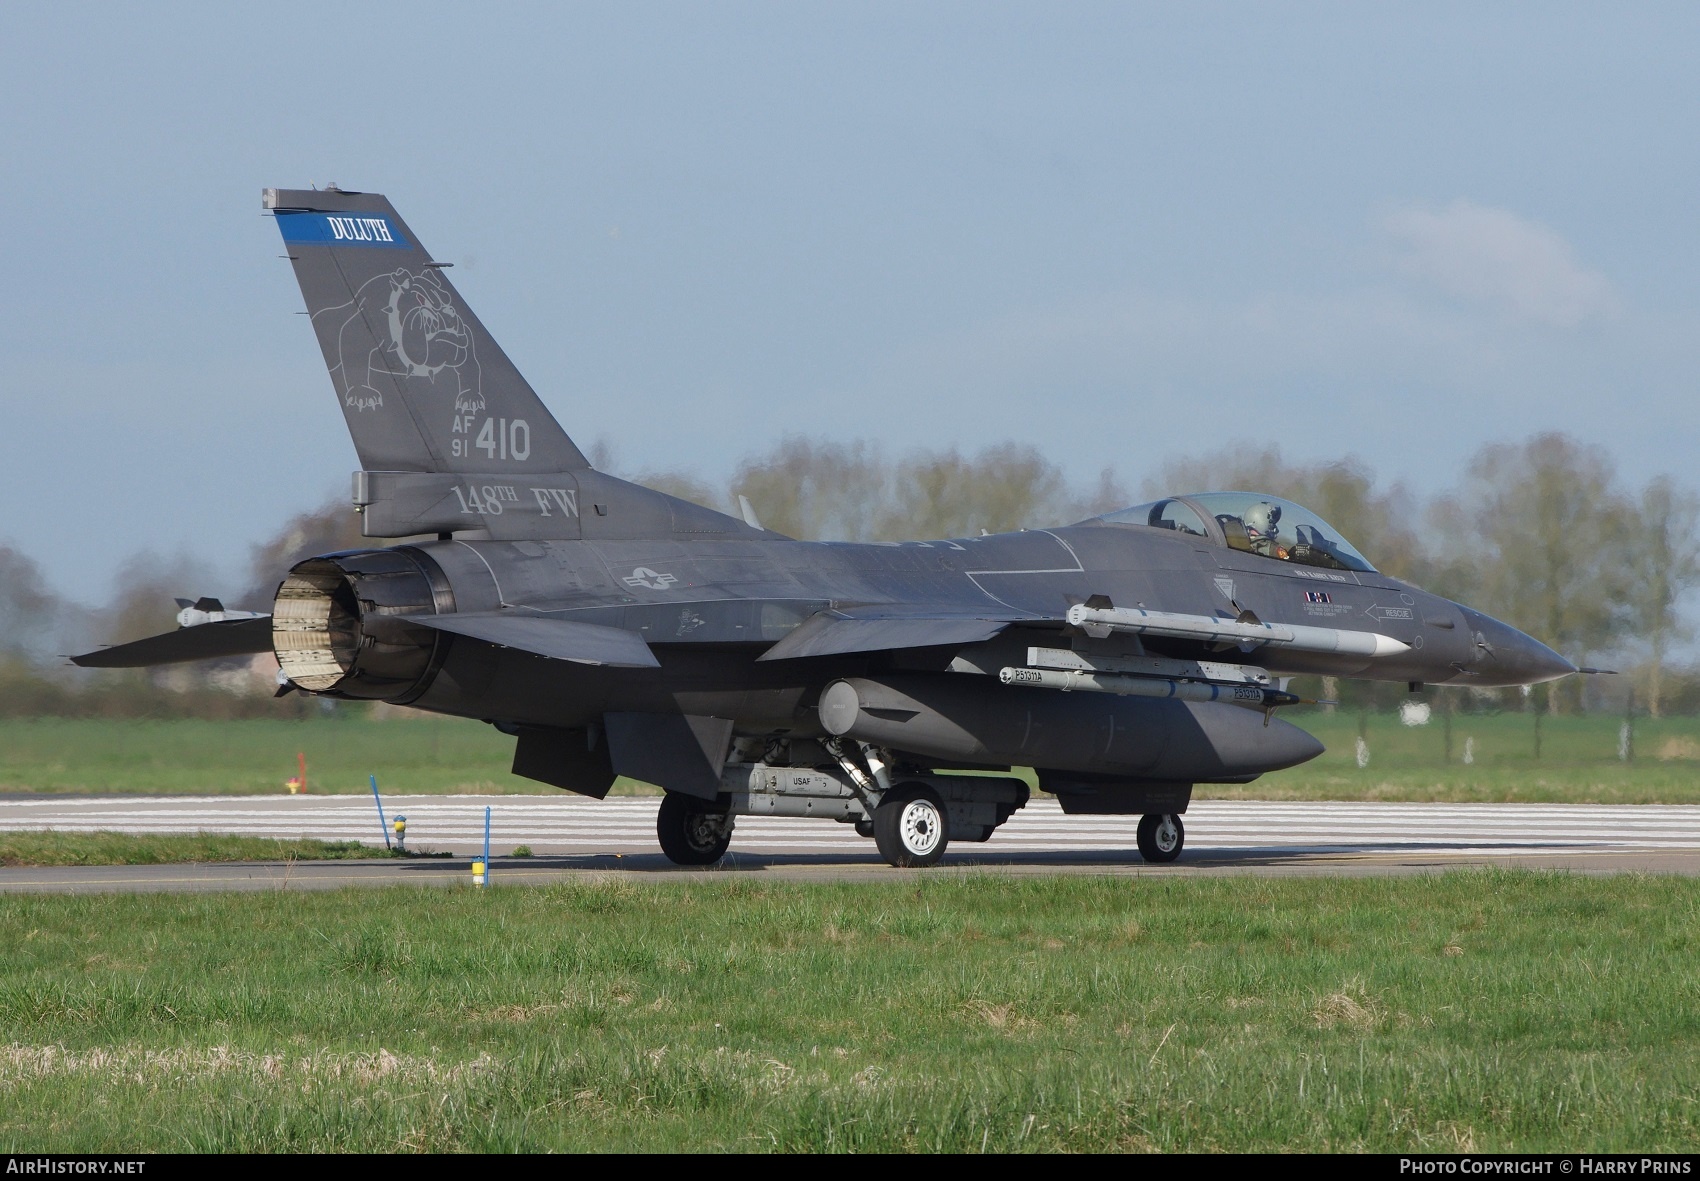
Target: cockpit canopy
x=1250, y=521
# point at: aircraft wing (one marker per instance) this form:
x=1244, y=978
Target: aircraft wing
x=832, y=633
x=204, y=641
x=540, y=635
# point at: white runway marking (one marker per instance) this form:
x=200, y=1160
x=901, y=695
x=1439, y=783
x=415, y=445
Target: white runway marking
x=626, y=825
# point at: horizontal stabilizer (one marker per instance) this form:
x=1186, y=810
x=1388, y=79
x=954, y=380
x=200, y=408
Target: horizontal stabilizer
x=836, y=634
x=540, y=635
x=208, y=641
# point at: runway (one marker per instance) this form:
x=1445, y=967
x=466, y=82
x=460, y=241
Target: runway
x=571, y=836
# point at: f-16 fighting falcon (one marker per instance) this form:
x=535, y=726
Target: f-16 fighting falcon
x=613, y=630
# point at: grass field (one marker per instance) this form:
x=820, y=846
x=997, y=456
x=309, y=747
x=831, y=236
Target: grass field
x=152, y=757
x=113, y=848
x=1503, y=1011
x=1578, y=761
x=1578, y=758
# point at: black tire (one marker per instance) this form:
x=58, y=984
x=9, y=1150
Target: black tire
x=1161, y=837
x=690, y=832
x=911, y=827
x=865, y=829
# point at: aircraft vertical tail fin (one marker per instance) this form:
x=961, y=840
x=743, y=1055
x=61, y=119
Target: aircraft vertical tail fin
x=423, y=386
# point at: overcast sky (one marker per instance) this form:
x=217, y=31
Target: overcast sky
x=1118, y=232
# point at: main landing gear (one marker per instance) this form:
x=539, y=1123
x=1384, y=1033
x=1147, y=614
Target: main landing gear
x=1161, y=837
x=910, y=812
x=690, y=833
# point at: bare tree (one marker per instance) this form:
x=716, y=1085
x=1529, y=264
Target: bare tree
x=824, y=490
x=685, y=486
x=1663, y=566
x=1381, y=523
x=333, y=526
x=147, y=587
x=1553, y=531
x=674, y=482
x=818, y=491
x=28, y=610
x=946, y=494
x=1106, y=494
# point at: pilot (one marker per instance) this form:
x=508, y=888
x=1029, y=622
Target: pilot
x=1261, y=520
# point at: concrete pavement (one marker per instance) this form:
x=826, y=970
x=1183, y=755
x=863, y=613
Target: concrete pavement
x=573, y=836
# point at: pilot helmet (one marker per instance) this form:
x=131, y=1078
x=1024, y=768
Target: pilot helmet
x=1262, y=518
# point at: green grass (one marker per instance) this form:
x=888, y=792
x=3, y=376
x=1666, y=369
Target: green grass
x=115, y=848
x=1502, y=1011
x=1579, y=758
x=1578, y=761
x=148, y=757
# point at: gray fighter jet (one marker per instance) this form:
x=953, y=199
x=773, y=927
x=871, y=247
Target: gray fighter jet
x=613, y=630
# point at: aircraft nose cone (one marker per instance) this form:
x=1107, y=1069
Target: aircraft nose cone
x=1506, y=656
x=1542, y=663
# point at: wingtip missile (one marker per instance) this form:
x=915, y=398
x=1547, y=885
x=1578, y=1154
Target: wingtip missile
x=207, y=609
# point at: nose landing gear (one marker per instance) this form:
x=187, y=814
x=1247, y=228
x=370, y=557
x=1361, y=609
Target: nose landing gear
x=911, y=827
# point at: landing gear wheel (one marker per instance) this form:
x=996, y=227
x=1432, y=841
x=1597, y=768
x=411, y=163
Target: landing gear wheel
x=1161, y=837
x=689, y=832
x=911, y=827
x=865, y=829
